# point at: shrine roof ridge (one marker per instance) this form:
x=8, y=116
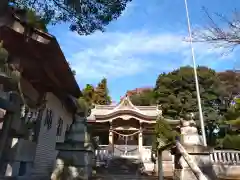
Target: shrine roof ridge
x=97, y=106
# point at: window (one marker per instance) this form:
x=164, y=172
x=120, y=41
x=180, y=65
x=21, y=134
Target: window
x=48, y=119
x=59, y=127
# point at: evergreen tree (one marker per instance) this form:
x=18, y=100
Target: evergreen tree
x=163, y=133
x=176, y=92
x=233, y=114
x=85, y=17
x=36, y=21
x=88, y=94
x=230, y=87
x=145, y=98
x=101, y=95
x=228, y=136
x=230, y=141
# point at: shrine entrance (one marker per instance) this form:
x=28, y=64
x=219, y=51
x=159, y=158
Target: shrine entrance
x=124, y=131
x=125, y=137
x=126, y=143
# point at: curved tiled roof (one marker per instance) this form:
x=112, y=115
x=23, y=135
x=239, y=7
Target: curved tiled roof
x=125, y=110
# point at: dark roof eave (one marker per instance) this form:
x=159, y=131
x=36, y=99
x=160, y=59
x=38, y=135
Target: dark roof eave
x=77, y=92
x=74, y=89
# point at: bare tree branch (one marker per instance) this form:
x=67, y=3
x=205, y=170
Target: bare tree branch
x=221, y=37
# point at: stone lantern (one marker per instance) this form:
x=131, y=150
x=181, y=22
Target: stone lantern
x=76, y=153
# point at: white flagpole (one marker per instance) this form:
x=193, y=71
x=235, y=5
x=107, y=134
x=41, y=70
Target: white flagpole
x=196, y=77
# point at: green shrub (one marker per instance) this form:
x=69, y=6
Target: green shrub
x=230, y=142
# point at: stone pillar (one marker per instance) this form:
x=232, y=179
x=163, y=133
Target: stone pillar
x=140, y=140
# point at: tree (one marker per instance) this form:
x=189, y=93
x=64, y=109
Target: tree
x=84, y=107
x=144, y=98
x=164, y=131
x=171, y=94
x=88, y=94
x=84, y=16
x=176, y=93
x=228, y=135
x=230, y=142
x=233, y=114
x=230, y=81
x=164, y=134
x=98, y=95
x=101, y=95
x=220, y=35
x=36, y=21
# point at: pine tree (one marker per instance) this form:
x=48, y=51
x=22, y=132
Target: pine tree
x=101, y=95
x=164, y=133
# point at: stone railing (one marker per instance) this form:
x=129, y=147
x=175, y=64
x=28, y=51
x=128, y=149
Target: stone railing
x=146, y=154
x=126, y=151
x=225, y=157
x=226, y=164
x=101, y=154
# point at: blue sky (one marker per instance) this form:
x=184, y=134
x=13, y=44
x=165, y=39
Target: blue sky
x=144, y=42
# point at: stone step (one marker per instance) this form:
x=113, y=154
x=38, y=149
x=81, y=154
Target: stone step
x=127, y=177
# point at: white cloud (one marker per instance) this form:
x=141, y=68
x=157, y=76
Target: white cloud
x=118, y=54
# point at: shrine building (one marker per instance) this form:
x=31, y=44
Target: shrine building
x=124, y=129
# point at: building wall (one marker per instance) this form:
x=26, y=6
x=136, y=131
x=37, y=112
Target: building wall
x=67, y=121
x=45, y=152
x=30, y=93
x=40, y=158
x=62, y=113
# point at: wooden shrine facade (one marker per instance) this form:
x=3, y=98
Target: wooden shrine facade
x=125, y=126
